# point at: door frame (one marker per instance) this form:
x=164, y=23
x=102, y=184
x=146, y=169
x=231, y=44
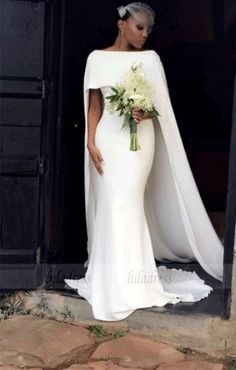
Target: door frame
x=58, y=197
x=51, y=185
x=230, y=218
x=45, y=165
x=54, y=184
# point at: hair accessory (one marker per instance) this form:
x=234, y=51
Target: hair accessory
x=122, y=11
x=136, y=7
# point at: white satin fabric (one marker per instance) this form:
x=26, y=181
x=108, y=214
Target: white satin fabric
x=145, y=206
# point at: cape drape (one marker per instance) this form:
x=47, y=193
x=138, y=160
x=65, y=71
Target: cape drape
x=179, y=225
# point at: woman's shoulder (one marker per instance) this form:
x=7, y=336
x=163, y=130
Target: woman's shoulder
x=112, y=51
x=102, y=57
x=111, y=48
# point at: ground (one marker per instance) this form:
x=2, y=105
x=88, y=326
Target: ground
x=39, y=331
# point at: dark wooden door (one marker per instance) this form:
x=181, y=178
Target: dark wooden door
x=27, y=129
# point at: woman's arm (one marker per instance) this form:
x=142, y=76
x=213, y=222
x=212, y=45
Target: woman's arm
x=94, y=114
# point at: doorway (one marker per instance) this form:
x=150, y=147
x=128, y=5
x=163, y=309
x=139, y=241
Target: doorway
x=194, y=41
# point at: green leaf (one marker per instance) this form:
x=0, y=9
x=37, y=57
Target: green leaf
x=153, y=112
x=120, y=106
x=125, y=123
x=121, y=112
x=114, y=98
x=128, y=116
x=114, y=89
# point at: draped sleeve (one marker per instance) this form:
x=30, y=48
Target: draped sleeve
x=180, y=227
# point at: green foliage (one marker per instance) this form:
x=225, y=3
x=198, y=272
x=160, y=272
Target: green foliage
x=45, y=311
x=232, y=365
x=100, y=331
x=117, y=334
x=184, y=349
x=97, y=330
x=11, y=305
x=66, y=313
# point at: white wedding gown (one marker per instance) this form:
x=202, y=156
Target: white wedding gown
x=145, y=206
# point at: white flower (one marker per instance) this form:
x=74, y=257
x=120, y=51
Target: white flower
x=135, y=97
x=134, y=90
x=135, y=66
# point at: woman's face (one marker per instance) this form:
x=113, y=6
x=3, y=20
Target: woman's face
x=136, y=29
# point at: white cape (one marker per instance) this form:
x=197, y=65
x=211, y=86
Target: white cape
x=178, y=222
x=126, y=232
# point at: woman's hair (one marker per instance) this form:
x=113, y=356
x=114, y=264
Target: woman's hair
x=125, y=12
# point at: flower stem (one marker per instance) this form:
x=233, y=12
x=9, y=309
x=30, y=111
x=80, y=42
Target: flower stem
x=134, y=146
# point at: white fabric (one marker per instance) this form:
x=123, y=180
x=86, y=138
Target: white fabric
x=145, y=205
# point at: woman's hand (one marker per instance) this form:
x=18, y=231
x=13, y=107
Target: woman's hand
x=96, y=157
x=137, y=114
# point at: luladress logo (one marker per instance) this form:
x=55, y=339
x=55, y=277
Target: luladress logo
x=57, y=277
x=142, y=278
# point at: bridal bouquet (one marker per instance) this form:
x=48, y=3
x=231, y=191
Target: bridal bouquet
x=134, y=91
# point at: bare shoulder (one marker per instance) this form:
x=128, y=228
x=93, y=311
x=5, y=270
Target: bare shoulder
x=109, y=48
x=112, y=48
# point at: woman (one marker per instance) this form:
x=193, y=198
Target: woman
x=140, y=205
